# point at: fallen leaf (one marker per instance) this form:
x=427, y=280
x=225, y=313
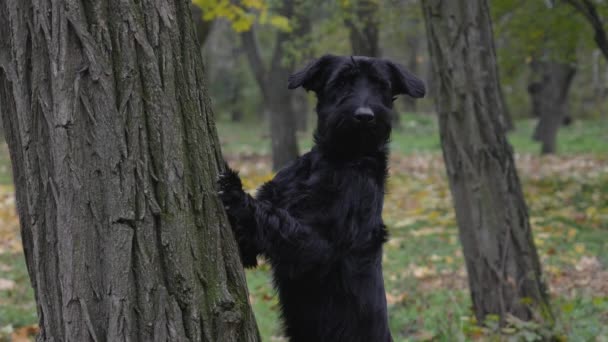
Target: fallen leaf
x=7, y=284
x=24, y=334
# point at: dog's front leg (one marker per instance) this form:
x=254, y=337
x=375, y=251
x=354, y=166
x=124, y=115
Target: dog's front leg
x=262, y=228
x=240, y=210
x=290, y=245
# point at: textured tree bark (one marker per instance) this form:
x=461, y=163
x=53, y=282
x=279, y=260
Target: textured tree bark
x=363, y=25
x=502, y=263
x=549, y=93
x=115, y=157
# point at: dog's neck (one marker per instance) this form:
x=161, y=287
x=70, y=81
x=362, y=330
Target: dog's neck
x=350, y=151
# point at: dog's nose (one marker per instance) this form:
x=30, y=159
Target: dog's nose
x=364, y=114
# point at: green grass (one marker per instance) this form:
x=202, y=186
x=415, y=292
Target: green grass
x=17, y=306
x=424, y=268
x=5, y=165
x=419, y=133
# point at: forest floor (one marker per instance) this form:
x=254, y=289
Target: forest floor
x=426, y=284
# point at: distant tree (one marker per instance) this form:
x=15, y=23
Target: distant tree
x=203, y=27
x=291, y=19
x=546, y=38
x=401, y=37
x=549, y=92
x=589, y=10
x=502, y=262
x=363, y=22
x=115, y=157
x=272, y=81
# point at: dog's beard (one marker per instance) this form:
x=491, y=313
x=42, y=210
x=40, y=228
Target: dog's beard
x=341, y=134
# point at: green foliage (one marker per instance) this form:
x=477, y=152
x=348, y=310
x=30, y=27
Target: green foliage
x=535, y=29
x=16, y=302
x=242, y=14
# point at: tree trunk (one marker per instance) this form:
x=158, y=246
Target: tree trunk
x=301, y=109
x=115, y=157
x=502, y=263
x=202, y=27
x=273, y=85
x=506, y=118
x=282, y=117
x=588, y=9
x=549, y=94
x=363, y=25
x=412, y=42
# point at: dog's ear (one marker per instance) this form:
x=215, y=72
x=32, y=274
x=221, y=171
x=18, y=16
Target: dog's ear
x=313, y=76
x=404, y=82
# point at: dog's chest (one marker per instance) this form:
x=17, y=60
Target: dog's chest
x=342, y=197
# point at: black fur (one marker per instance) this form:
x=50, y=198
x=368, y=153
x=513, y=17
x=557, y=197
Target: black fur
x=318, y=222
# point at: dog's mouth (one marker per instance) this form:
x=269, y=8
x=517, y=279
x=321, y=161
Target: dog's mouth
x=346, y=135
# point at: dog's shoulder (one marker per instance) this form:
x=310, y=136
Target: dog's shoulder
x=289, y=179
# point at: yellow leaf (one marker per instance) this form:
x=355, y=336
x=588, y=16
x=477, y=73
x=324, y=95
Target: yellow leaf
x=255, y=4
x=6, y=284
x=280, y=22
x=242, y=25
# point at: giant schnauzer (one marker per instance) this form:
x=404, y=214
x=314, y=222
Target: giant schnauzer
x=318, y=222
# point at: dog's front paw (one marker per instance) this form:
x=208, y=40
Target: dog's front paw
x=230, y=189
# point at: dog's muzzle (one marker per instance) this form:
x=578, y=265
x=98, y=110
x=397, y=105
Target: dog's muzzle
x=364, y=114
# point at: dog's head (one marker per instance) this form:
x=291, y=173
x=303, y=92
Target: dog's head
x=355, y=99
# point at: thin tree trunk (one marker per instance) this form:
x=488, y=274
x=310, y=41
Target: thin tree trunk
x=412, y=43
x=202, y=27
x=502, y=262
x=506, y=118
x=301, y=109
x=273, y=85
x=549, y=93
x=115, y=157
x=363, y=25
x=588, y=10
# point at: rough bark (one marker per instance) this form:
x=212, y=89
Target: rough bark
x=272, y=81
x=115, y=155
x=502, y=263
x=549, y=93
x=363, y=23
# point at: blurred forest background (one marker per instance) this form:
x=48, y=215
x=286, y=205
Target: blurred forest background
x=554, y=78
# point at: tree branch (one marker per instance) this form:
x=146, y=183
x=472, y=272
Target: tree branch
x=250, y=44
x=588, y=10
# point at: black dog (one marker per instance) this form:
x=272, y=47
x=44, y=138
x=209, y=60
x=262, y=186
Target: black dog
x=318, y=222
